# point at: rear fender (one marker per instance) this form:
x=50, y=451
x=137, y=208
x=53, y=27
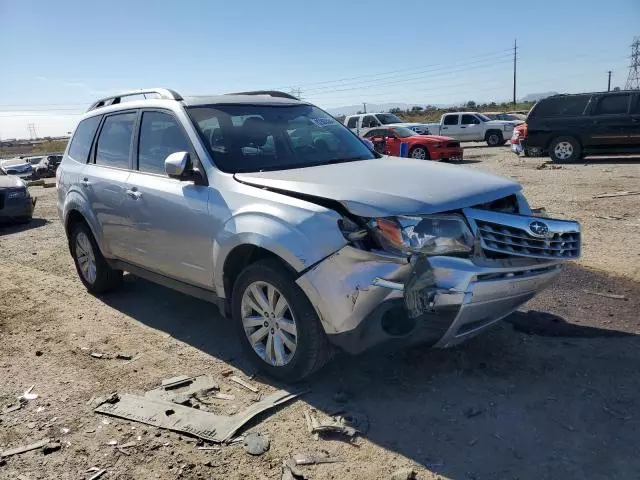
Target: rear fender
x=75, y=201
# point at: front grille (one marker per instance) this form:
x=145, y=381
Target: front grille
x=453, y=144
x=516, y=241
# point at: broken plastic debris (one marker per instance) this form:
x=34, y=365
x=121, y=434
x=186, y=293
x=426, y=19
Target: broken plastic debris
x=28, y=394
x=205, y=425
x=344, y=424
x=113, y=443
x=98, y=474
x=246, y=385
x=64, y=430
x=25, y=448
x=174, y=382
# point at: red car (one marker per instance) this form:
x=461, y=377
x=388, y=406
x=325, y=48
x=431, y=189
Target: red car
x=424, y=147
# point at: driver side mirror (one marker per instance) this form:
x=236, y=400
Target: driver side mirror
x=178, y=165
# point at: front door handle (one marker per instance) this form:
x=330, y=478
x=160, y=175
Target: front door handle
x=134, y=193
x=85, y=182
x=463, y=126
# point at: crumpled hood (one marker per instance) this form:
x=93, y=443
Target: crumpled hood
x=389, y=186
x=11, y=181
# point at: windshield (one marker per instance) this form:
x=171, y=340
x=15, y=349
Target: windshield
x=403, y=132
x=34, y=160
x=252, y=138
x=482, y=117
x=387, y=118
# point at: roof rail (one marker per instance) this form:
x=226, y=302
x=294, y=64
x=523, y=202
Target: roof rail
x=115, y=99
x=271, y=93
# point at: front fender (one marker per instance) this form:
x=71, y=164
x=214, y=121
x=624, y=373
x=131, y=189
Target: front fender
x=76, y=201
x=300, y=244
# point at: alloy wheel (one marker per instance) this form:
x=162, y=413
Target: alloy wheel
x=86, y=258
x=563, y=150
x=419, y=153
x=269, y=323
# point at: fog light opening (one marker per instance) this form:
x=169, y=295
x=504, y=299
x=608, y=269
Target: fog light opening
x=395, y=322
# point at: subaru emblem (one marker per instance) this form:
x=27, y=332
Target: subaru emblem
x=539, y=229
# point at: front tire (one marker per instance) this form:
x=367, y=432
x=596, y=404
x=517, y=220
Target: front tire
x=419, y=153
x=494, y=138
x=277, y=326
x=565, y=150
x=92, y=268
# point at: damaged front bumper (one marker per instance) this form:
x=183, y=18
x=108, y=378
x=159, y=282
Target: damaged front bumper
x=365, y=298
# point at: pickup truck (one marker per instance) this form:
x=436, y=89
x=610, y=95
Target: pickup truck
x=361, y=124
x=472, y=127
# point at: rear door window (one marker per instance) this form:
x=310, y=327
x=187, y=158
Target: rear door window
x=352, y=122
x=612, y=105
x=450, y=120
x=569, y=106
x=83, y=138
x=114, y=143
x=469, y=120
x=369, y=122
x=160, y=136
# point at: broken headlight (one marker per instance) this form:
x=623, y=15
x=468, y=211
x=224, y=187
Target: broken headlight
x=429, y=235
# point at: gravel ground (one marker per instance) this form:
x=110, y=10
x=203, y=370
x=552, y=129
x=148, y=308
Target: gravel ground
x=550, y=393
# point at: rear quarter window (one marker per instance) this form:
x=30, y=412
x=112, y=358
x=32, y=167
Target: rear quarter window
x=560, y=107
x=83, y=138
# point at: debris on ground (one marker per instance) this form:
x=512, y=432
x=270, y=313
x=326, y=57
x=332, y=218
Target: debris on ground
x=98, y=473
x=609, y=217
x=551, y=166
x=246, y=385
x=404, y=474
x=256, y=443
x=181, y=390
x=26, y=448
x=617, y=194
x=223, y=396
x=51, y=447
x=605, y=294
x=290, y=471
x=97, y=355
x=348, y=425
x=12, y=408
x=313, y=459
x=28, y=394
x=227, y=372
x=124, y=356
x=206, y=425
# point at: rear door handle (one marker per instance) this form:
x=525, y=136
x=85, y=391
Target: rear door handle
x=134, y=193
x=463, y=126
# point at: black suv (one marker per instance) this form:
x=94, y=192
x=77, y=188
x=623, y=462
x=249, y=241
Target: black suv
x=572, y=126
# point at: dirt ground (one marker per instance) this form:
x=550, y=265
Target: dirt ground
x=550, y=393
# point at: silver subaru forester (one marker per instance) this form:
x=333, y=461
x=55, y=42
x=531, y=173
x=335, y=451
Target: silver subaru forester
x=298, y=231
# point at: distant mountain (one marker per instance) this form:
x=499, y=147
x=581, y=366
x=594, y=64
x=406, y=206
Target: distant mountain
x=534, y=97
x=374, y=107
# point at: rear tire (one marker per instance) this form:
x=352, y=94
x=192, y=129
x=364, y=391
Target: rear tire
x=261, y=286
x=93, y=270
x=494, y=138
x=419, y=153
x=565, y=150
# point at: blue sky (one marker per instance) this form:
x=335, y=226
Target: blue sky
x=61, y=55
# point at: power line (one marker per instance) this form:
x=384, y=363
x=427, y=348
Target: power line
x=633, y=80
x=383, y=73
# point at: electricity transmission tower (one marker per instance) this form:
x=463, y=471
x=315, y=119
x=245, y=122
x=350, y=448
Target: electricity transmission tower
x=32, y=130
x=633, y=80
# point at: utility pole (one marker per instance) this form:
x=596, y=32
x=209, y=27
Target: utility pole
x=296, y=92
x=364, y=105
x=515, y=57
x=609, y=82
x=633, y=80
x=32, y=131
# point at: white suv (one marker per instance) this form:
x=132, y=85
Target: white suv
x=274, y=211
